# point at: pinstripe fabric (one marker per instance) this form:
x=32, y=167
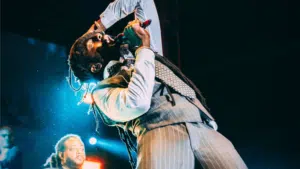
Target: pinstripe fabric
x=177, y=146
x=162, y=113
x=172, y=137
x=212, y=149
x=165, y=148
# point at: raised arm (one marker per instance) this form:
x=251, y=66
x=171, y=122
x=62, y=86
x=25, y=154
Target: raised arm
x=124, y=104
x=144, y=10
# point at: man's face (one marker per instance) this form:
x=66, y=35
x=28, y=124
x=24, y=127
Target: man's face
x=5, y=138
x=101, y=49
x=74, y=154
x=94, y=43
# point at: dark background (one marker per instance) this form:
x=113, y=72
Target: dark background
x=241, y=54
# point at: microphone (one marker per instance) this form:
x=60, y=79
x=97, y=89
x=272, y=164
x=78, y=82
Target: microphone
x=120, y=37
x=146, y=23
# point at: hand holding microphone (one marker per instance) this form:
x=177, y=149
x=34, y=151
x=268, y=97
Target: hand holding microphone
x=136, y=29
x=135, y=34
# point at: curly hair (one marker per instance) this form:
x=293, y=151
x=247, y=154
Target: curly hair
x=80, y=60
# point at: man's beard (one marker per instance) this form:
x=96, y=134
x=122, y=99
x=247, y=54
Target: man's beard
x=107, y=53
x=72, y=164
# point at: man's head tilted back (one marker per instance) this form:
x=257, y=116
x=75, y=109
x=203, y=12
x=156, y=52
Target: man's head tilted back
x=89, y=55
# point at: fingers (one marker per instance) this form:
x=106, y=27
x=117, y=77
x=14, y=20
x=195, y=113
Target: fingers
x=136, y=34
x=107, y=38
x=131, y=23
x=97, y=25
x=110, y=38
x=139, y=30
x=135, y=28
x=136, y=21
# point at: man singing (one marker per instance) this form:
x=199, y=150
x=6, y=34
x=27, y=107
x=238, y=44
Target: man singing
x=151, y=98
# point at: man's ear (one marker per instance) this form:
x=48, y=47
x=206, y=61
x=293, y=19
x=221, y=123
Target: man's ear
x=95, y=67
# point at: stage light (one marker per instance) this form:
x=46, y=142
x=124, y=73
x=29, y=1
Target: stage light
x=93, y=140
x=91, y=165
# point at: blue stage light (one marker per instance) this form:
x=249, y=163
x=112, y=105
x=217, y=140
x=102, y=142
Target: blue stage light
x=93, y=140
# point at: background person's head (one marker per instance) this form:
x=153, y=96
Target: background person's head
x=69, y=152
x=6, y=137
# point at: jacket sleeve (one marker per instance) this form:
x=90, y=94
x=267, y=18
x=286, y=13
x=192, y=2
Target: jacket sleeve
x=124, y=104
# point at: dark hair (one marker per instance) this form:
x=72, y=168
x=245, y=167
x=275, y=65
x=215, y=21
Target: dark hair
x=80, y=60
x=78, y=54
